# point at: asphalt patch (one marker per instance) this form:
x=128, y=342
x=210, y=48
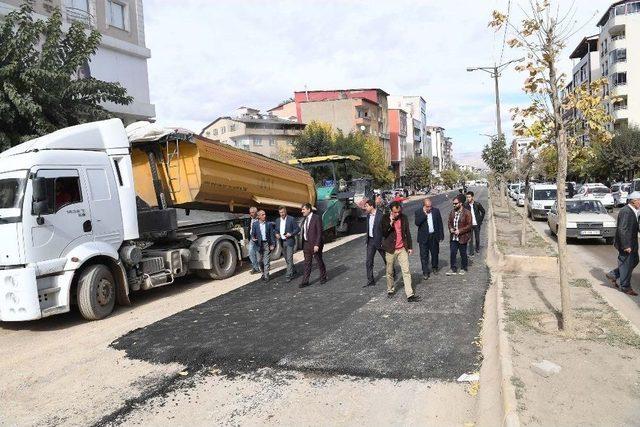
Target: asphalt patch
x=337, y=328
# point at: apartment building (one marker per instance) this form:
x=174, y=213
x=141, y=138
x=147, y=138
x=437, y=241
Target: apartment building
x=416, y=108
x=349, y=110
x=398, y=141
x=447, y=152
x=250, y=130
x=586, y=69
x=436, y=135
x=619, y=46
x=122, y=55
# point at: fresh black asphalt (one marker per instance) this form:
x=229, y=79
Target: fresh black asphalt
x=336, y=328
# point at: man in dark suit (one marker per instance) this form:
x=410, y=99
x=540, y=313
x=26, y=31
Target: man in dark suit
x=430, y=234
x=396, y=242
x=286, y=231
x=477, y=217
x=264, y=236
x=626, y=242
x=312, y=244
x=374, y=238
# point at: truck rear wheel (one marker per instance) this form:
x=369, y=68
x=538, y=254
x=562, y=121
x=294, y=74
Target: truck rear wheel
x=96, y=292
x=224, y=260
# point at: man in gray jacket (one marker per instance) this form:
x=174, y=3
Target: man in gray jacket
x=626, y=242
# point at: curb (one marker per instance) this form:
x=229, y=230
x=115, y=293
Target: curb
x=495, y=259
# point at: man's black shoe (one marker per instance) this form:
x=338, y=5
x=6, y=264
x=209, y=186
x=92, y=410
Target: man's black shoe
x=288, y=279
x=391, y=294
x=254, y=271
x=425, y=277
x=435, y=270
x=323, y=280
x=265, y=278
x=368, y=284
x=414, y=298
x=303, y=285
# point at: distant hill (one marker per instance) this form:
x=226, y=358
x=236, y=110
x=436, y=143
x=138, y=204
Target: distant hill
x=473, y=158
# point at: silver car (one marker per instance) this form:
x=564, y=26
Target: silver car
x=586, y=219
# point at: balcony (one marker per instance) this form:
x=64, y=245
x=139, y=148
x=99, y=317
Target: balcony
x=79, y=15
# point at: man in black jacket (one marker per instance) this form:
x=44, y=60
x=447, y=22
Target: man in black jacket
x=374, y=238
x=397, y=245
x=477, y=215
x=430, y=234
x=626, y=242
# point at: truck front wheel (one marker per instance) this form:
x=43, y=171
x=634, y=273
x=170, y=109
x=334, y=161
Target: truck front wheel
x=96, y=292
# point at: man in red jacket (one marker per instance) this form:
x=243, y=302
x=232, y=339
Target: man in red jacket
x=460, y=227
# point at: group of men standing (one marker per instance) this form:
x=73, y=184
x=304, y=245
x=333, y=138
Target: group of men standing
x=389, y=235
x=265, y=235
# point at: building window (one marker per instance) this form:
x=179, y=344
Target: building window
x=633, y=7
x=214, y=132
x=257, y=142
x=272, y=142
x=116, y=13
x=618, y=55
x=223, y=130
x=618, y=79
x=232, y=128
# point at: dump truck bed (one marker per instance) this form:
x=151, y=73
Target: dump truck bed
x=194, y=172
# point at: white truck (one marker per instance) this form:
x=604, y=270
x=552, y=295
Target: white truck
x=88, y=216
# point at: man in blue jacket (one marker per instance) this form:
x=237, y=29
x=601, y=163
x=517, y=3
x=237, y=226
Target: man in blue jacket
x=374, y=238
x=263, y=235
x=286, y=231
x=430, y=234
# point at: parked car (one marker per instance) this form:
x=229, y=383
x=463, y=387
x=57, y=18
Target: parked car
x=514, y=189
x=596, y=192
x=620, y=191
x=541, y=199
x=520, y=200
x=586, y=219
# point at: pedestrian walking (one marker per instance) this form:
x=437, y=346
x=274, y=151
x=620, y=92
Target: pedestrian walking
x=460, y=227
x=286, y=231
x=264, y=236
x=626, y=242
x=430, y=234
x=312, y=245
x=477, y=216
x=397, y=245
x=253, y=247
x=374, y=239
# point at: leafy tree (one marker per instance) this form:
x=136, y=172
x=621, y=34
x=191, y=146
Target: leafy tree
x=621, y=158
x=40, y=90
x=450, y=177
x=543, y=34
x=320, y=139
x=497, y=156
x=418, y=172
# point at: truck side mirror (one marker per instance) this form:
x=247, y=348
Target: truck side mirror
x=39, y=190
x=40, y=204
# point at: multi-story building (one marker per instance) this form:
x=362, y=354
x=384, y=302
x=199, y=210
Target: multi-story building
x=265, y=134
x=436, y=134
x=398, y=141
x=447, y=152
x=416, y=108
x=619, y=46
x=349, y=110
x=122, y=54
x=286, y=110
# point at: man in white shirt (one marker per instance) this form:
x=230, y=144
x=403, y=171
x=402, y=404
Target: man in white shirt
x=374, y=239
x=286, y=231
x=253, y=247
x=477, y=216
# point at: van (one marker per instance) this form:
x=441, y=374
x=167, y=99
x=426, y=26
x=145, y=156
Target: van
x=541, y=199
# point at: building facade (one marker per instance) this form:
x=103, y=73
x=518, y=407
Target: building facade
x=619, y=46
x=398, y=133
x=286, y=110
x=249, y=130
x=437, y=150
x=349, y=110
x=122, y=55
x=416, y=108
x=447, y=152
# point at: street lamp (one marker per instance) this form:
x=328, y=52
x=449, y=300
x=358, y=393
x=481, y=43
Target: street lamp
x=495, y=73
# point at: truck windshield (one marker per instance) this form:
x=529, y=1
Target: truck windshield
x=545, y=194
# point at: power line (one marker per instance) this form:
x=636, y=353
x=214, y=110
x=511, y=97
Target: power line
x=504, y=38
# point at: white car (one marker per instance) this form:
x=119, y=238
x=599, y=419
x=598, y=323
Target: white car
x=586, y=219
x=620, y=191
x=598, y=192
x=541, y=199
x=520, y=199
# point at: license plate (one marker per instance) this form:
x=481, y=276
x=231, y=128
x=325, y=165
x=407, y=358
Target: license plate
x=590, y=232
x=599, y=196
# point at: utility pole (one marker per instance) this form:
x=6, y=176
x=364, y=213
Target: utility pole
x=495, y=73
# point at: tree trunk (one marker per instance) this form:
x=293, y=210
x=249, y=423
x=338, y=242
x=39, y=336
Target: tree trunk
x=565, y=291
x=523, y=234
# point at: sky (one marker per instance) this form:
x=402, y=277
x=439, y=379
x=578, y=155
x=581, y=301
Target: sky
x=210, y=57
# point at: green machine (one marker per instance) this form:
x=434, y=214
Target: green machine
x=340, y=196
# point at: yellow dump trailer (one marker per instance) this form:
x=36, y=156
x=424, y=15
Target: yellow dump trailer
x=194, y=172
